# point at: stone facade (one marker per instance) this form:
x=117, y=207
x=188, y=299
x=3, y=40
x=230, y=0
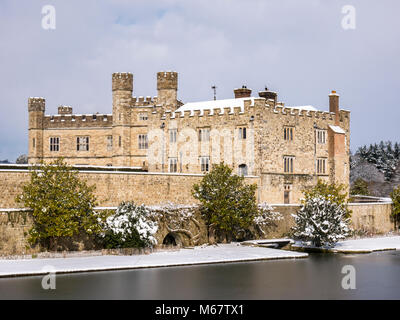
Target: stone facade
x=286, y=148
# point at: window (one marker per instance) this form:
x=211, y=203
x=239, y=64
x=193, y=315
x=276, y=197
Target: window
x=204, y=134
x=119, y=141
x=82, y=143
x=321, y=166
x=321, y=136
x=143, y=116
x=173, y=164
x=34, y=142
x=242, y=133
x=286, y=193
x=288, y=133
x=54, y=144
x=205, y=164
x=288, y=164
x=143, y=143
x=243, y=170
x=109, y=143
x=172, y=135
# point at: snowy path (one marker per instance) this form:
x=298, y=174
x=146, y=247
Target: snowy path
x=363, y=245
x=222, y=253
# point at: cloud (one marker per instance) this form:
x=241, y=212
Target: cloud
x=296, y=48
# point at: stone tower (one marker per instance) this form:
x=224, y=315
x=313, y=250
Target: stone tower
x=36, y=109
x=167, y=87
x=122, y=87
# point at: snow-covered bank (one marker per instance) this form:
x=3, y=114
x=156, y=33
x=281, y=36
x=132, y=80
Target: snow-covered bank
x=223, y=253
x=366, y=245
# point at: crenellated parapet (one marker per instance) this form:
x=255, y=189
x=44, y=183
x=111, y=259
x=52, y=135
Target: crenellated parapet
x=122, y=81
x=36, y=104
x=144, y=101
x=78, y=121
x=167, y=80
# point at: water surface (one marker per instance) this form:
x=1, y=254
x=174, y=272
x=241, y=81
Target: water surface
x=316, y=277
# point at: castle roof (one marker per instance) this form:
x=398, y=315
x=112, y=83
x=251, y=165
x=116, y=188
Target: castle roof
x=228, y=103
x=215, y=104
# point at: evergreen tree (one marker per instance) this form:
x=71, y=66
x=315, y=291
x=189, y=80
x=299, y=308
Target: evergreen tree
x=62, y=205
x=228, y=203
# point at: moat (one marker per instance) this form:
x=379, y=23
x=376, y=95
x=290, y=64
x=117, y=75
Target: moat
x=316, y=277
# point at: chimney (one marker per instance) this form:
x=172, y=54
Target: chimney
x=334, y=105
x=242, y=92
x=268, y=95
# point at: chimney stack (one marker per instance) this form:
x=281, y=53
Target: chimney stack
x=334, y=105
x=242, y=92
x=268, y=95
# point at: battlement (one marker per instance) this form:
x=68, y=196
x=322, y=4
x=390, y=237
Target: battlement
x=36, y=104
x=144, y=101
x=78, y=120
x=280, y=109
x=167, y=80
x=122, y=81
x=64, y=110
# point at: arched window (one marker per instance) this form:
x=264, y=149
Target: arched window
x=243, y=170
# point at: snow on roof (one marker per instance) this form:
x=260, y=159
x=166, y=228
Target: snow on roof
x=337, y=129
x=307, y=108
x=229, y=103
x=215, y=104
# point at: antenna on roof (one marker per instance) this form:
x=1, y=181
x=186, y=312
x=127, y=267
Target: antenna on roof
x=215, y=92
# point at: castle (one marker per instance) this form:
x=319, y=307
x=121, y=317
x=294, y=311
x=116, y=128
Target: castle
x=285, y=148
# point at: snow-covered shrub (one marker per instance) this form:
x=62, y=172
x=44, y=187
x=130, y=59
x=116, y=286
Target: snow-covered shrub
x=321, y=221
x=266, y=215
x=131, y=226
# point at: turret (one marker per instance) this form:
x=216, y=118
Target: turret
x=36, y=109
x=167, y=87
x=122, y=87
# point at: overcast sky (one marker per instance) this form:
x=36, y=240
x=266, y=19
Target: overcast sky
x=297, y=48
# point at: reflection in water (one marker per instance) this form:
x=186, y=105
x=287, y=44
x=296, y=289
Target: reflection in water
x=316, y=277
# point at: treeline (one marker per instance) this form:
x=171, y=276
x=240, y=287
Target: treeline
x=384, y=156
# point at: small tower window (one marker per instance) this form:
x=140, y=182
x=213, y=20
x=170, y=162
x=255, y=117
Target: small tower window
x=172, y=135
x=321, y=166
x=82, y=143
x=173, y=164
x=242, y=133
x=243, y=170
x=288, y=133
x=34, y=143
x=204, y=134
x=54, y=144
x=288, y=164
x=321, y=136
x=205, y=164
x=109, y=143
x=143, y=142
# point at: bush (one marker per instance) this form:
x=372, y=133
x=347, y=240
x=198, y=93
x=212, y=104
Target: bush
x=395, y=195
x=360, y=187
x=62, y=205
x=321, y=221
x=130, y=227
x=330, y=192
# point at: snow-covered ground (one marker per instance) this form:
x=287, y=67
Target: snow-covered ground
x=361, y=245
x=222, y=253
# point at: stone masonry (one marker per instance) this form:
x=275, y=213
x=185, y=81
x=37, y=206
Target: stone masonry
x=284, y=148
